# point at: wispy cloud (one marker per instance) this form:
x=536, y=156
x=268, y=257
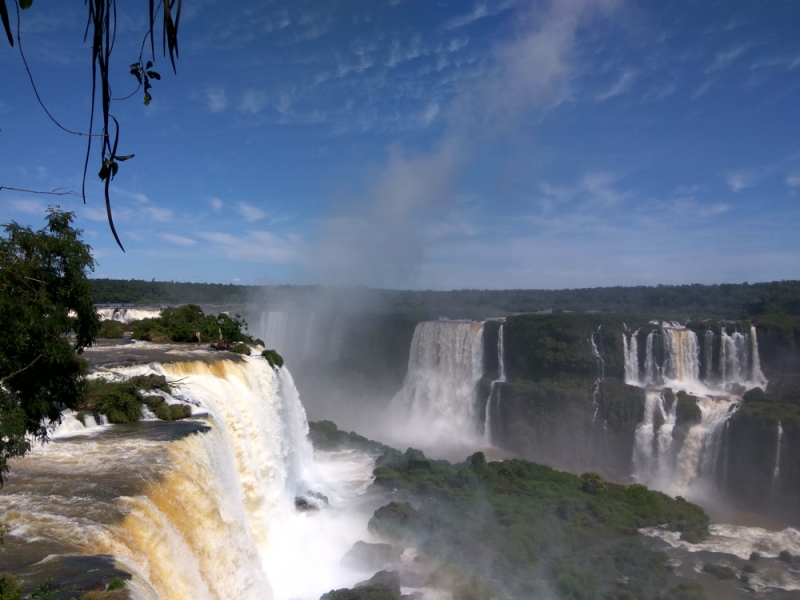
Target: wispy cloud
x=740, y=180
x=703, y=88
x=480, y=11
x=724, y=58
x=621, y=86
x=253, y=101
x=793, y=180
x=250, y=212
x=216, y=204
x=256, y=246
x=178, y=240
x=217, y=99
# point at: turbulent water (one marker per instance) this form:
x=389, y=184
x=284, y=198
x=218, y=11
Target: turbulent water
x=200, y=509
x=437, y=402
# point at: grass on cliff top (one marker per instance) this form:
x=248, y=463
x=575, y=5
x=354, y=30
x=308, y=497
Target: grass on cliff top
x=530, y=530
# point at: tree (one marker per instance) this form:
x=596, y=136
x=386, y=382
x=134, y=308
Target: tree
x=101, y=29
x=47, y=320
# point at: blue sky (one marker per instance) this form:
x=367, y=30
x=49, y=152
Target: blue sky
x=430, y=144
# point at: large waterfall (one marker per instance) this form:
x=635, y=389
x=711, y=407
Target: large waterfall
x=209, y=515
x=715, y=372
x=437, y=401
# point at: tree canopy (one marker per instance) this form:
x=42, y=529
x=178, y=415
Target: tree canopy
x=47, y=320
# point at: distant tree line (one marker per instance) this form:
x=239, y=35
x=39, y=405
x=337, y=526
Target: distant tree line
x=726, y=301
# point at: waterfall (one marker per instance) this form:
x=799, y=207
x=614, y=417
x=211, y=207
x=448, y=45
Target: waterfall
x=682, y=352
x=644, y=458
x=631, y=355
x=739, y=362
x=652, y=373
x=438, y=395
x=757, y=376
x=776, y=472
x=601, y=364
x=273, y=329
x=501, y=377
x=127, y=315
x=700, y=452
x=709, y=355
x=239, y=481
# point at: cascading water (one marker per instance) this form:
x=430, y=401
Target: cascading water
x=209, y=516
x=501, y=377
x=630, y=347
x=127, y=315
x=601, y=373
x=437, y=400
x=672, y=360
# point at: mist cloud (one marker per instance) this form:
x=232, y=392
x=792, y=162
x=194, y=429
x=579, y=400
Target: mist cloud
x=375, y=238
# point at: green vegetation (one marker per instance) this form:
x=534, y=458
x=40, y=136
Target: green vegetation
x=47, y=320
x=729, y=301
x=122, y=401
x=112, y=329
x=687, y=590
x=273, y=358
x=325, y=435
x=719, y=571
x=536, y=526
x=11, y=589
x=188, y=323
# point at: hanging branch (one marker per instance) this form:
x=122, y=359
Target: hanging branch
x=102, y=21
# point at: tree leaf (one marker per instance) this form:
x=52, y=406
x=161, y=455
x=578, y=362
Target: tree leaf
x=23, y=4
x=147, y=99
x=122, y=158
x=103, y=174
x=149, y=64
x=6, y=24
x=154, y=75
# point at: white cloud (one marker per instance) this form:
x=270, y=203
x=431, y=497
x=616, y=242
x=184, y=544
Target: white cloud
x=250, y=212
x=31, y=207
x=162, y=215
x=793, y=180
x=217, y=99
x=178, y=239
x=216, y=204
x=95, y=214
x=254, y=101
x=740, y=180
x=256, y=246
x=621, y=86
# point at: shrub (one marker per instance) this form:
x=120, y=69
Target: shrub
x=241, y=348
x=785, y=556
x=173, y=412
x=273, y=358
x=755, y=556
x=120, y=402
x=10, y=587
x=719, y=571
x=111, y=329
x=688, y=590
x=115, y=584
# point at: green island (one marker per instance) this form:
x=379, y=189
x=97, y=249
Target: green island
x=517, y=529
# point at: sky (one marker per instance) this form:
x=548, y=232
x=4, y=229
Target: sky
x=427, y=144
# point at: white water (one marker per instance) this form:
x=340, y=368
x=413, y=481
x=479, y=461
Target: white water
x=437, y=403
x=127, y=315
x=216, y=518
x=501, y=377
x=672, y=359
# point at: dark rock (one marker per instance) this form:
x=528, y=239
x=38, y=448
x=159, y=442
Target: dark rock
x=368, y=557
